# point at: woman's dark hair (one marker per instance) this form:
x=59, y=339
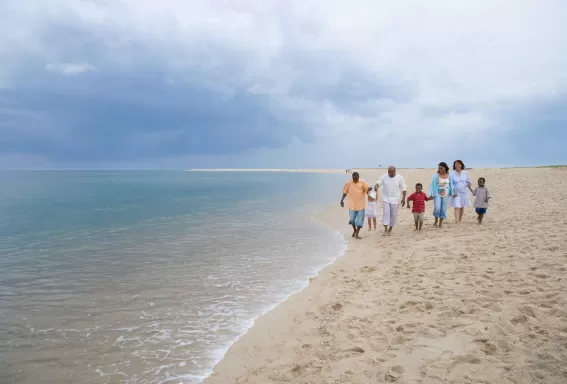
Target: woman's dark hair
x=460, y=162
x=444, y=165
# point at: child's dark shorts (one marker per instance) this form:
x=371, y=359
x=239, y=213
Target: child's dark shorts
x=481, y=211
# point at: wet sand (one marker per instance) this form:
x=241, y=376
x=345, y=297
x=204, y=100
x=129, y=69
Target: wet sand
x=463, y=304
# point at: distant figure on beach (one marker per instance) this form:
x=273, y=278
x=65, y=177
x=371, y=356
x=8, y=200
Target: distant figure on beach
x=392, y=186
x=461, y=182
x=482, y=196
x=419, y=198
x=441, y=189
x=371, y=209
x=355, y=190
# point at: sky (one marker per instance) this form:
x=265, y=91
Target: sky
x=178, y=84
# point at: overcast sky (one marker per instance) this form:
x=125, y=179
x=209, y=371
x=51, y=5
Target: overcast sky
x=249, y=83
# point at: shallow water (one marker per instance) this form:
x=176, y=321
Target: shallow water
x=148, y=277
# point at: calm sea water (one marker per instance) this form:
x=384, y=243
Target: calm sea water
x=148, y=277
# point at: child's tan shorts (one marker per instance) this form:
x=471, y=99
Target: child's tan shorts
x=418, y=216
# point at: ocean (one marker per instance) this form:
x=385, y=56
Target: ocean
x=149, y=276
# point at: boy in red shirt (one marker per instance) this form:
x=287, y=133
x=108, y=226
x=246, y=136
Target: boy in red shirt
x=419, y=198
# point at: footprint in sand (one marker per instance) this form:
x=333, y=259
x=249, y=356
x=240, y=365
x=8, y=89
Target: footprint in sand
x=394, y=373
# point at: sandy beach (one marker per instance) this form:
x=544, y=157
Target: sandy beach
x=463, y=304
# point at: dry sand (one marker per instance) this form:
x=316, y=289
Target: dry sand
x=468, y=304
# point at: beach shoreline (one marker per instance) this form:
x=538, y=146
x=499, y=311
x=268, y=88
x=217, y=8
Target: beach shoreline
x=460, y=304
x=291, y=170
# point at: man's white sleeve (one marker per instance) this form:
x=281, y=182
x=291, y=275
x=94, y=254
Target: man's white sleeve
x=402, y=184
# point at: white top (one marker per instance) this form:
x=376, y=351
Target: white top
x=443, y=187
x=392, y=188
x=372, y=194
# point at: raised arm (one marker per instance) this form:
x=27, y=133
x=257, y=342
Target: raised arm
x=378, y=183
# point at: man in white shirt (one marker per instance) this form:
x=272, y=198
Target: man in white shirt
x=392, y=184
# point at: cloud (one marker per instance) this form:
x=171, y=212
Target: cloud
x=70, y=68
x=297, y=82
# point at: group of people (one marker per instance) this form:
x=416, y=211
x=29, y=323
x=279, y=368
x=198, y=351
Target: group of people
x=445, y=189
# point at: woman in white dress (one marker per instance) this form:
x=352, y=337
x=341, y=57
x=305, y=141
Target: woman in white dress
x=461, y=182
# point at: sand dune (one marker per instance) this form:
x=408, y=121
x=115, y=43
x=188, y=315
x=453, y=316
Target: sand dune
x=468, y=304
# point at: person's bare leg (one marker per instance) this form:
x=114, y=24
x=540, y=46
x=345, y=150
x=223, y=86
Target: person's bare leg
x=389, y=231
x=456, y=215
x=420, y=225
x=369, y=224
x=436, y=223
x=461, y=211
x=480, y=217
x=357, y=233
x=440, y=223
x=374, y=224
x=416, y=225
x=353, y=230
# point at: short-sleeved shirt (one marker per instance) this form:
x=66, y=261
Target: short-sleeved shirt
x=356, y=195
x=418, y=201
x=460, y=182
x=392, y=188
x=481, y=195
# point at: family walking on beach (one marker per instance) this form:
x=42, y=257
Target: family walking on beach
x=445, y=189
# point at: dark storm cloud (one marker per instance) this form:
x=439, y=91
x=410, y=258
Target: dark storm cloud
x=126, y=116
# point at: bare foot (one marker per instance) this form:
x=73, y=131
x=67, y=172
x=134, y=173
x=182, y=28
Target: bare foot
x=353, y=234
x=358, y=237
x=389, y=234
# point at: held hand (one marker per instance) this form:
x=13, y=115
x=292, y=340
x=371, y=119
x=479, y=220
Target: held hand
x=342, y=204
x=454, y=194
x=403, y=203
